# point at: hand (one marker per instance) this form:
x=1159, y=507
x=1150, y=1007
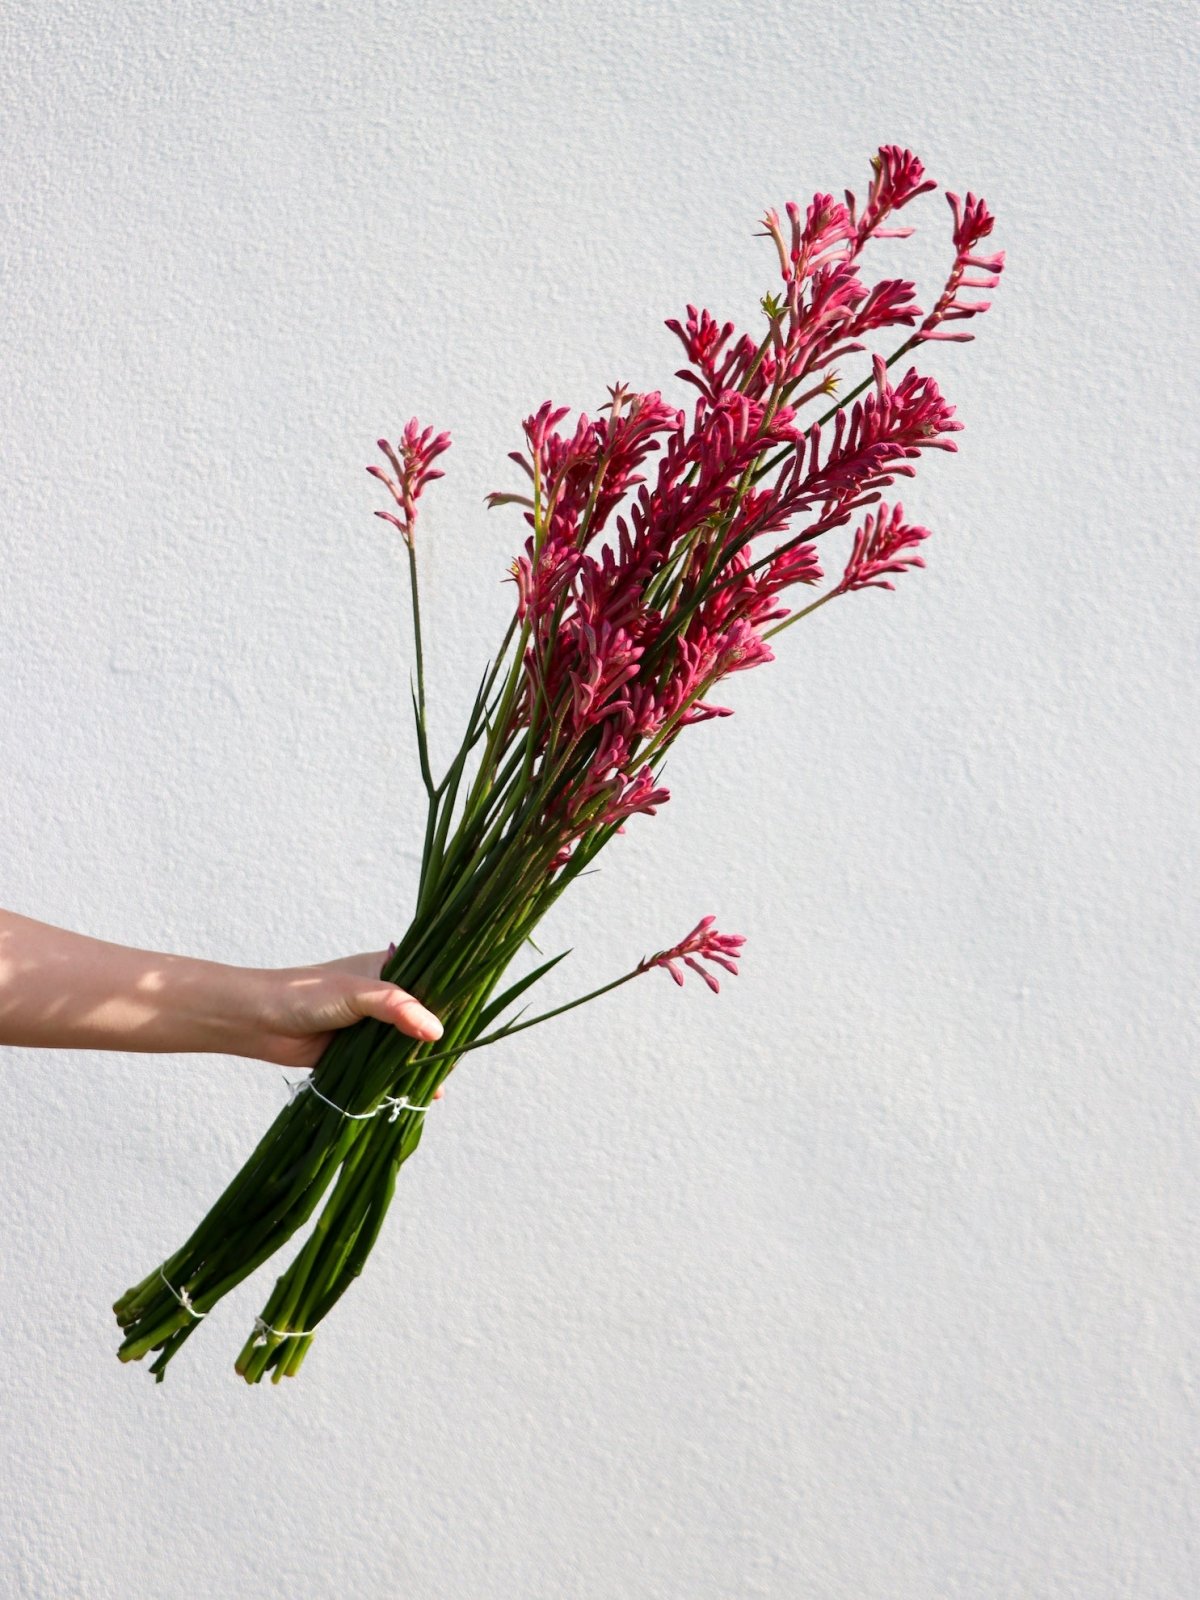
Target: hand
x=300, y=1008
x=67, y=991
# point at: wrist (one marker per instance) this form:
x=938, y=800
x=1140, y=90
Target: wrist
x=217, y=1008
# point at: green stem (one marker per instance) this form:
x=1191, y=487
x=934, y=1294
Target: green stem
x=797, y=615
x=532, y=1022
x=422, y=735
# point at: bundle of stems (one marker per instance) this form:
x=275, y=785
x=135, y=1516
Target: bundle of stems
x=635, y=597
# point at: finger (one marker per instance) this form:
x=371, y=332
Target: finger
x=388, y=1003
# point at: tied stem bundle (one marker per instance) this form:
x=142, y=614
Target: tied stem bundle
x=637, y=593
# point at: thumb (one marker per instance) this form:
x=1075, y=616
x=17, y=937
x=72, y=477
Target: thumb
x=387, y=1002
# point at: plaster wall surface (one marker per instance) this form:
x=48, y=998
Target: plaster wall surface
x=874, y=1278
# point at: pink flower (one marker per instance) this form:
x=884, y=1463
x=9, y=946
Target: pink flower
x=621, y=795
x=879, y=547
x=868, y=450
x=824, y=235
x=972, y=223
x=714, y=367
x=824, y=309
x=605, y=773
x=703, y=656
x=626, y=633
x=639, y=795
x=413, y=469
x=890, y=304
x=608, y=659
x=704, y=943
x=642, y=794
x=796, y=565
x=898, y=178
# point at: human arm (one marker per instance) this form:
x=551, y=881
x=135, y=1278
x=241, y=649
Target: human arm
x=64, y=989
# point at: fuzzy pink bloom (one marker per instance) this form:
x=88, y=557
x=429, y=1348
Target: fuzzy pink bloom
x=821, y=329
x=973, y=222
x=414, y=469
x=867, y=451
x=715, y=365
x=890, y=304
x=620, y=793
x=879, y=547
x=797, y=565
x=605, y=776
x=639, y=795
x=643, y=794
x=628, y=630
x=824, y=310
x=704, y=655
x=704, y=943
x=814, y=239
x=578, y=478
x=898, y=178
x=608, y=659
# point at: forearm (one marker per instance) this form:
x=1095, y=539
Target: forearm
x=64, y=989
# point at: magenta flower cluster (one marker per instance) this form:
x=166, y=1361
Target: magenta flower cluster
x=665, y=543
x=704, y=943
x=413, y=470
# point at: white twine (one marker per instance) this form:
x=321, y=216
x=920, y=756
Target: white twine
x=397, y=1103
x=394, y=1104
x=401, y=1103
x=262, y=1329
x=185, y=1299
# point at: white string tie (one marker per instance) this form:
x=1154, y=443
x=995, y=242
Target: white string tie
x=262, y=1329
x=394, y=1104
x=306, y=1083
x=184, y=1298
x=400, y=1103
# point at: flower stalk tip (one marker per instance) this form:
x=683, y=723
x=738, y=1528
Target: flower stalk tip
x=704, y=943
x=412, y=469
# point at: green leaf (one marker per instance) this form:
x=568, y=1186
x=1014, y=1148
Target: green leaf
x=490, y=1013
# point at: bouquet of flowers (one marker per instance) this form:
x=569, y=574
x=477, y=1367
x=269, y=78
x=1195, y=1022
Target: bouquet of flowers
x=663, y=548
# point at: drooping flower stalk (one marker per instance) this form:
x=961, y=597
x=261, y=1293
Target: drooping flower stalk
x=704, y=943
x=663, y=547
x=413, y=471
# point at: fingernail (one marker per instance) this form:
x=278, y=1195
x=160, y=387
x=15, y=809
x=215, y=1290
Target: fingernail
x=417, y=1020
x=429, y=1025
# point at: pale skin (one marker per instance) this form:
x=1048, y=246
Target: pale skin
x=66, y=990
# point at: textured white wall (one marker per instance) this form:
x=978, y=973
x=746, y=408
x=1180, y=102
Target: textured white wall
x=877, y=1276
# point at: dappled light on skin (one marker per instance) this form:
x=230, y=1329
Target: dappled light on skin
x=64, y=989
